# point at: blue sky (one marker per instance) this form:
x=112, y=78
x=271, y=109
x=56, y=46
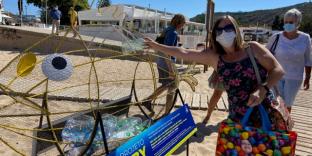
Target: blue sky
x=189, y=8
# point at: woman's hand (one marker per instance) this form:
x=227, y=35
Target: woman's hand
x=148, y=42
x=257, y=97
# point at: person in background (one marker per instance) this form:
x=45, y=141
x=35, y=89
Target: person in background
x=228, y=55
x=56, y=15
x=73, y=20
x=293, y=52
x=166, y=66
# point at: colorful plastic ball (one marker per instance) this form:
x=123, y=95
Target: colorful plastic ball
x=220, y=149
x=225, y=147
x=281, y=142
x=271, y=133
x=286, y=137
x=277, y=153
x=238, y=126
x=233, y=133
x=228, y=152
x=261, y=147
x=229, y=121
x=230, y=145
x=223, y=141
x=234, y=153
x=255, y=150
x=231, y=139
x=245, y=135
x=238, y=142
x=252, y=140
x=241, y=153
x=258, y=155
x=275, y=144
x=272, y=138
x=269, y=152
x=247, y=129
x=226, y=130
x=265, y=139
x=286, y=150
x=238, y=148
x=251, y=133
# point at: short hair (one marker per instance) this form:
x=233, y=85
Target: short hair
x=177, y=20
x=294, y=13
x=215, y=45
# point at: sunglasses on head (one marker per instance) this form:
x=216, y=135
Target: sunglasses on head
x=227, y=28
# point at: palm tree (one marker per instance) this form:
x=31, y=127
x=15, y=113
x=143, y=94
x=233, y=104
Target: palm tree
x=103, y=3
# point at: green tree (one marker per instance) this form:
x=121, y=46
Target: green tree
x=306, y=24
x=103, y=3
x=63, y=6
x=277, y=23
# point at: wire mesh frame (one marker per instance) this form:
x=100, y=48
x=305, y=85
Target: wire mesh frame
x=98, y=122
x=44, y=107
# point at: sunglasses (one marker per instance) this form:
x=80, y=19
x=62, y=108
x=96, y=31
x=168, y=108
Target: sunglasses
x=227, y=28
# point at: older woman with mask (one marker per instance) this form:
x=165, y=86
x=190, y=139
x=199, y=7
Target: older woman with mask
x=292, y=49
x=228, y=55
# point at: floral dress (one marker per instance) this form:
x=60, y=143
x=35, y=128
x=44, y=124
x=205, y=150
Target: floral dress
x=240, y=81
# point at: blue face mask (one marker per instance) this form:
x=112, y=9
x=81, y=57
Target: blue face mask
x=289, y=27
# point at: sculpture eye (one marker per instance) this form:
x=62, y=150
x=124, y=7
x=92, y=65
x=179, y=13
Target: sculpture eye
x=57, y=67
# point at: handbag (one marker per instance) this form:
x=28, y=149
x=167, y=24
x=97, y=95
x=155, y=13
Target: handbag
x=214, y=83
x=239, y=139
x=282, y=115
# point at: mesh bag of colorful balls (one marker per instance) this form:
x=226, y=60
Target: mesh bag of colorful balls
x=237, y=139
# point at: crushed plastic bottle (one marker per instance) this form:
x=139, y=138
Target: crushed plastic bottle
x=127, y=123
x=78, y=130
x=110, y=124
x=127, y=127
x=133, y=45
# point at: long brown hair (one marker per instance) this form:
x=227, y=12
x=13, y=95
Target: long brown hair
x=216, y=46
x=177, y=20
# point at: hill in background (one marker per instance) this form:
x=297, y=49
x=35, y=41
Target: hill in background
x=266, y=17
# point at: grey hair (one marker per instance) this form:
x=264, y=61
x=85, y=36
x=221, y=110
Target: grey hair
x=294, y=13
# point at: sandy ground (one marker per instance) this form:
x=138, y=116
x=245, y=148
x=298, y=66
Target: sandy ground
x=118, y=70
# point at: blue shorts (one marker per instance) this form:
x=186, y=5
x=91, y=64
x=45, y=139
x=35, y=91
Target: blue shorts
x=288, y=89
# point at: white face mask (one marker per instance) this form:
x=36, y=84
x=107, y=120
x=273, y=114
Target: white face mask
x=226, y=39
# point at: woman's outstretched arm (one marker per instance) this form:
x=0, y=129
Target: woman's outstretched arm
x=207, y=57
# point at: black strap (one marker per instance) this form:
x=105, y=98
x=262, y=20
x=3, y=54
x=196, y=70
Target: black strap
x=274, y=45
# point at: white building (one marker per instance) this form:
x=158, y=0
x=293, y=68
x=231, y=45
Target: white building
x=137, y=19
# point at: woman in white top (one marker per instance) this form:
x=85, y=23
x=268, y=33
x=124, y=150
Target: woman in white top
x=293, y=51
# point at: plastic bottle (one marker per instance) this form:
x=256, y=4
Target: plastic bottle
x=78, y=129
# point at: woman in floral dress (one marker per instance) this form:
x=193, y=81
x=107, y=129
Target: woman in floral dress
x=228, y=56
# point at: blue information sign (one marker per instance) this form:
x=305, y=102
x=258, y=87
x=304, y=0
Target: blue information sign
x=162, y=138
